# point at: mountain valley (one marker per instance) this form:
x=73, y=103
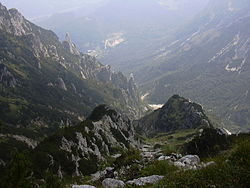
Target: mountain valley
x=69, y=121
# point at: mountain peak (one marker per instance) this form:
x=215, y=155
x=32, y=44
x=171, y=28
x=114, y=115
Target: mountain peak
x=12, y=21
x=67, y=37
x=14, y=11
x=2, y=7
x=101, y=111
x=177, y=114
x=70, y=46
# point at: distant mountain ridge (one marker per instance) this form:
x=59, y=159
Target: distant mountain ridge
x=208, y=62
x=135, y=27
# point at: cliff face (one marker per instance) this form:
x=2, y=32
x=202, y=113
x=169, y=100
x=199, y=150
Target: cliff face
x=79, y=150
x=54, y=82
x=177, y=114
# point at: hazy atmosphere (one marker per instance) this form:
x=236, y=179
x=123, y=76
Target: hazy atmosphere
x=124, y=93
x=44, y=8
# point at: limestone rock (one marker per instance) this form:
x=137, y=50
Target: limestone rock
x=190, y=160
x=7, y=78
x=83, y=186
x=61, y=84
x=112, y=183
x=146, y=180
x=70, y=46
x=13, y=22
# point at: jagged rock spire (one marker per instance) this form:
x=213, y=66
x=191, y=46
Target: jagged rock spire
x=70, y=46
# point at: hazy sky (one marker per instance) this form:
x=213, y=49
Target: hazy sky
x=33, y=9
x=37, y=8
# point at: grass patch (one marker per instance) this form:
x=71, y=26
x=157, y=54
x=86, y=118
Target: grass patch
x=159, y=168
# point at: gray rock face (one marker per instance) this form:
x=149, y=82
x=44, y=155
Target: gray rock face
x=104, y=132
x=118, y=127
x=90, y=68
x=112, y=183
x=6, y=78
x=61, y=84
x=224, y=131
x=13, y=22
x=146, y=180
x=70, y=46
x=29, y=142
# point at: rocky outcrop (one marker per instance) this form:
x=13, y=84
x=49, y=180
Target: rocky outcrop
x=145, y=180
x=223, y=131
x=177, y=114
x=29, y=142
x=70, y=46
x=61, y=84
x=13, y=22
x=188, y=161
x=105, y=132
x=90, y=68
x=7, y=78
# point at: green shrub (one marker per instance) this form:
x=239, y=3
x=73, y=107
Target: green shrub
x=208, y=144
x=52, y=181
x=167, y=149
x=159, y=168
x=232, y=169
x=18, y=173
x=128, y=158
x=157, y=146
x=241, y=156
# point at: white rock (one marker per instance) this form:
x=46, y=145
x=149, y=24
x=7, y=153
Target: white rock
x=112, y=183
x=146, y=180
x=116, y=155
x=179, y=164
x=190, y=160
x=83, y=186
x=161, y=158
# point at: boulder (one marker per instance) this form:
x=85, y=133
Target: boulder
x=163, y=158
x=190, y=160
x=83, y=186
x=146, y=180
x=112, y=183
x=179, y=164
x=100, y=175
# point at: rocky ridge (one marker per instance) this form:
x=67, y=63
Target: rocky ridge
x=177, y=114
x=91, y=142
x=33, y=58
